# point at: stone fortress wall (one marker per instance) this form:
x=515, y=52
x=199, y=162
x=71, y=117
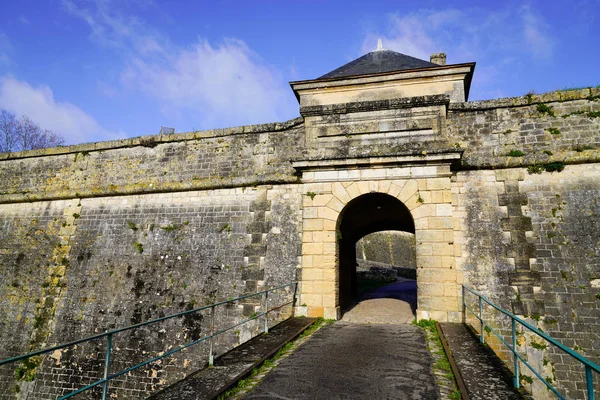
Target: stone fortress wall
x=395, y=248
x=504, y=195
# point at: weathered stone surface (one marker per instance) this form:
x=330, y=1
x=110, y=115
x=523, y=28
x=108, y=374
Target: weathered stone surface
x=501, y=195
x=385, y=362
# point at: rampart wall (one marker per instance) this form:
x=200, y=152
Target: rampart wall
x=105, y=235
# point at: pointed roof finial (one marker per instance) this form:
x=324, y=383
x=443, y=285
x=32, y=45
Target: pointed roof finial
x=379, y=45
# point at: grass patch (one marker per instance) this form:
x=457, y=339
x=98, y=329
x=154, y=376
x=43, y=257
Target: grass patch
x=224, y=227
x=132, y=226
x=554, y=166
x=139, y=247
x=526, y=379
x=169, y=228
x=26, y=371
x=538, y=346
x=593, y=114
x=434, y=344
x=554, y=131
x=535, y=169
x=311, y=195
x=515, y=153
x=545, y=109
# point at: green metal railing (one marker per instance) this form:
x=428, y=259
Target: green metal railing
x=589, y=365
x=108, y=376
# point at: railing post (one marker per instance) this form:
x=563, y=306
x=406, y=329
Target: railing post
x=481, y=339
x=516, y=383
x=589, y=380
x=211, y=359
x=266, y=311
x=464, y=305
x=294, y=298
x=107, y=365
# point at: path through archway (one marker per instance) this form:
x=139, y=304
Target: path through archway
x=366, y=214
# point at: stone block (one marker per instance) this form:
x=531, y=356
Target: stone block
x=311, y=274
x=353, y=190
x=329, y=248
x=329, y=274
x=310, y=212
x=409, y=189
x=441, y=223
x=363, y=187
x=332, y=313
x=335, y=204
x=321, y=200
x=340, y=192
x=325, y=261
x=316, y=312
x=312, y=224
x=312, y=300
x=328, y=213
x=324, y=236
x=312, y=248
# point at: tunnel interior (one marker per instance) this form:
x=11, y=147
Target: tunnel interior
x=366, y=214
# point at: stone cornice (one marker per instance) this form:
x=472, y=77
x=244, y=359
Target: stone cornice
x=362, y=106
x=328, y=164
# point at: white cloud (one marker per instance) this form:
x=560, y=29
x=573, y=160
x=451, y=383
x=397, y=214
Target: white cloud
x=499, y=40
x=5, y=48
x=535, y=33
x=200, y=84
x=24, y=20
x=227, y=82
x=38, y=103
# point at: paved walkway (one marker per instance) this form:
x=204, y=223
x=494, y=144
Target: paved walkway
x=373, y=353
x=391, y=304
x=355, y=361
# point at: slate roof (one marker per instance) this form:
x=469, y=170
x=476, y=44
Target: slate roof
x=378, y=61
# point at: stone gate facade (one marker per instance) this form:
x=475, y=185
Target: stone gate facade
x=501, y=195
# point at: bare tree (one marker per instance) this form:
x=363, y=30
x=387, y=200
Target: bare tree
x=17, y=134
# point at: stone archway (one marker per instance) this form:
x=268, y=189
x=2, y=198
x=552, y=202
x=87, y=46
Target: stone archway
x=427, y=198
x=367, y=213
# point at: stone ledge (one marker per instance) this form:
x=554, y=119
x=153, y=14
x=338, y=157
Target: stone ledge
x=329, y=164
x=527, y=100
x=154, y=140
x=398, y=103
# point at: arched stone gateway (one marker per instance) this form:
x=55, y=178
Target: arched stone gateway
x=342, y=208
x=368, y=213
x=503, y=194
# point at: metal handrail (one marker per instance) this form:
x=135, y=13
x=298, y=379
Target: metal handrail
x=107, y=377
x=589, y=365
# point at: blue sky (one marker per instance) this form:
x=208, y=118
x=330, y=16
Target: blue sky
x=105, y=69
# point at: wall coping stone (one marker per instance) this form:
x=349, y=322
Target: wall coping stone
x=527, y=100
x=375, y=105
x=306, y=165
x=154, y=140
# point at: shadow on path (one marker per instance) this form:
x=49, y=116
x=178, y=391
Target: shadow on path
x=392, y=304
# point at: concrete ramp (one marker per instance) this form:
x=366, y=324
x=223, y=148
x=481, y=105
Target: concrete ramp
x=355, y=361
